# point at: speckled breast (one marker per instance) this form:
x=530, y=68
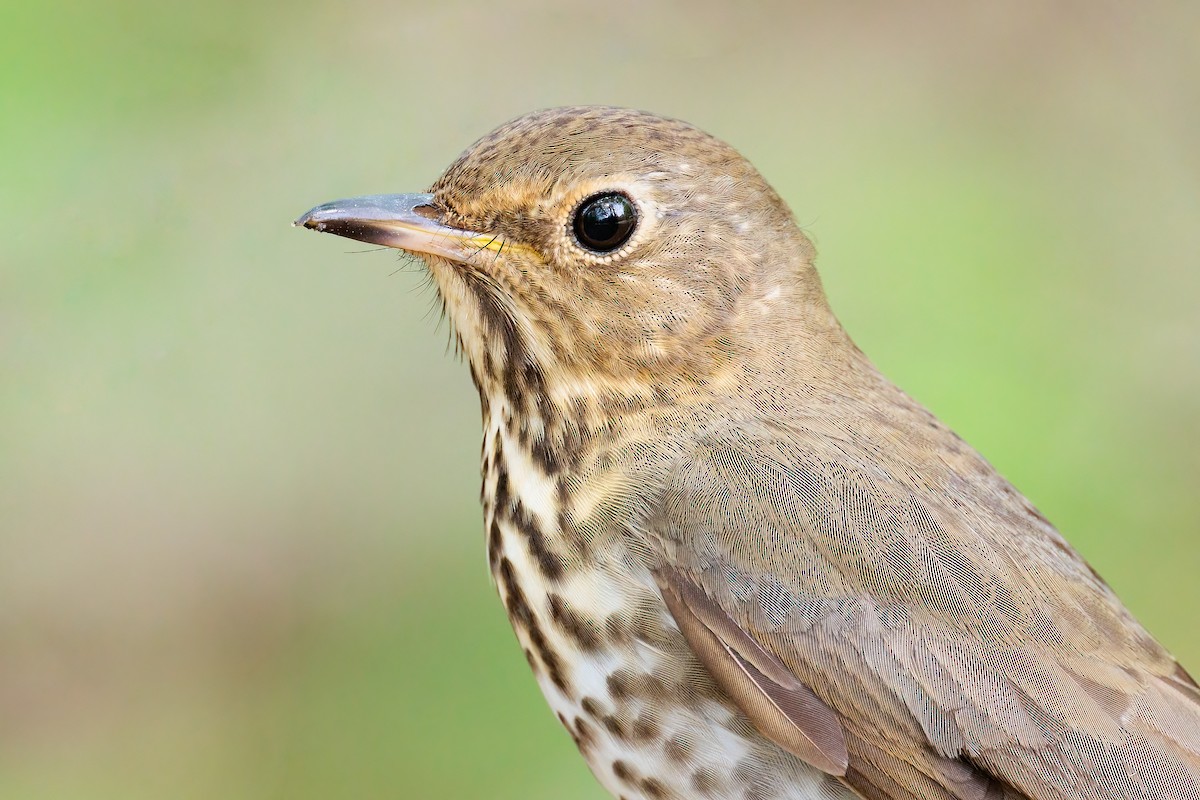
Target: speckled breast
x=608, y=656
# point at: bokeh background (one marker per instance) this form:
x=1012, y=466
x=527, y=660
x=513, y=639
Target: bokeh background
x=240, y=548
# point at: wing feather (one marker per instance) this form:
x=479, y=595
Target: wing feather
x=779, y=705
x=930, y=609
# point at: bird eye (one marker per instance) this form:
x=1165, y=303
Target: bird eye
x=604, y=222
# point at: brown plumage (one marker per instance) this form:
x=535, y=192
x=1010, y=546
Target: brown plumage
x=740, y=561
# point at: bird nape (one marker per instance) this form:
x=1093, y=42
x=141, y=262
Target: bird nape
x=742, y=563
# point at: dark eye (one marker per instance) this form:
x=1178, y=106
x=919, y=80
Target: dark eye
x=604, y=222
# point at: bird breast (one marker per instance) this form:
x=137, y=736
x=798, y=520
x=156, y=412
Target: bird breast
x=607, y=654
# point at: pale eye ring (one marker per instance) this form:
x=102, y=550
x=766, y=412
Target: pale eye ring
x=604, y=222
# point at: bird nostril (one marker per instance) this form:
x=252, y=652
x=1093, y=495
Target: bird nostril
x=427, y=211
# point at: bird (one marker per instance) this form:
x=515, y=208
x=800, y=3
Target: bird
x=740, y=561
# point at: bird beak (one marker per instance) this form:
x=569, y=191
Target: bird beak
x=404, y=221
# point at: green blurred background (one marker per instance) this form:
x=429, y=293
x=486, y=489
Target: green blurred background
x=240, y=548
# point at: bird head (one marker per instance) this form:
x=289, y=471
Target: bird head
x=600, y=247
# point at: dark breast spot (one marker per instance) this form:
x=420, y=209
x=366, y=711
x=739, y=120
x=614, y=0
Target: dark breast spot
x=493, y=546
x=576, y=627
x=519, y=611
x=549, y=562
x=650, y=787
x=644, y=729
x=613, y=725
x=705, y=782
x=547, y=454
x=617, y=630
x=500, y=495
x=549, y=659
x=654, y=788
x=577, y=732
x=618, y=684
x=584, y=735
x=678, y=749
x=521, y=615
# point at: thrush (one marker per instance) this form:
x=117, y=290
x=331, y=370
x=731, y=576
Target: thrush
x=740, y=561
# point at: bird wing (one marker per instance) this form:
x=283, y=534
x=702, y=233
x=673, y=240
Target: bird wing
x=966, y=650
x=779, y=704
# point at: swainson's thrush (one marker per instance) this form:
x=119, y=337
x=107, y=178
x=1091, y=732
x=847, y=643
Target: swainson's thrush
x=741, y=563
